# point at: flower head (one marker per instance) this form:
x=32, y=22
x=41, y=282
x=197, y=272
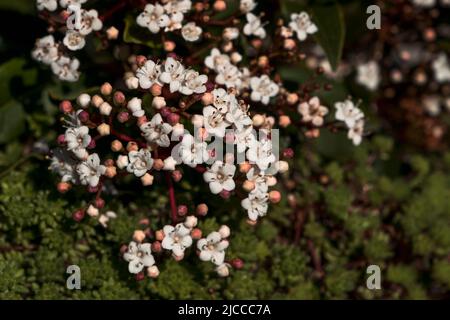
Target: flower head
x=220, y=177
x=212, y=248
x=176, y=239
x=139, y=256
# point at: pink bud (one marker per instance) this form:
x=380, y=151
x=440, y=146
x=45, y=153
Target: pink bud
x=177, y=175
x=141, y=60
x=182, y=210
x=202, y=209
x=78, y=215
x=196, y=234
x=173, y=118
x=140, y=276
x=83, y=116
x=61, y=140
x=65, y=106
x=123, y=117
x=91, y=144
x=225, y=194
x=99, y=203
x=92, y=189
x=119, y=98
x=63, y=187
x=165, y=112
x=237, y=263
x=288, y=153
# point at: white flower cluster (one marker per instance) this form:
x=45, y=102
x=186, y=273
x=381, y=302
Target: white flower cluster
x=353, y=118
x=171, y=72
x=80, y=23
x=169, y=15
x=301, y=25
x=177, y=239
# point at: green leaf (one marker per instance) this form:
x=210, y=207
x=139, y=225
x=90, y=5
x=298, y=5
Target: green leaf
x=329, y=18
x=12, y=121
x=11, y=69
x=138, y=35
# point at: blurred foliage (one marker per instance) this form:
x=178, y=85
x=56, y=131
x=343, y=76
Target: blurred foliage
x=382, y=203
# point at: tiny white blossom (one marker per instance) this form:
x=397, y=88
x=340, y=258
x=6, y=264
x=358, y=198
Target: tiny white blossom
x=66, y=68
x=441, y=68
x=230, y=33
x=175, y=20
x=135, y=107
x=89, y=22
x=193, y=152
x=139, y=255
x=174, y=6
x=424, y=3
x=263, y=89
x=77, y=140
x=228, y=75
x=432, y=105
x=214, y=121
x=74, y=40
x=176, y=239
x=169, y=164
x=63, y=164
x=369, y=75
x=254, y=26
x=247, y=5
x=66, y=3
x=140, y=162
x=156, y=131
x=173, y=74
x=153, y=17
x=49, y=5
x=91, y=170
x=220, y=177
x=312, y=111
x=256, y=205
x=346, y=111
x=212, y=248
x=191, y=32
x=45, y=50
x=193, y=83
x=356, y=132
x=261, y=153
x=149, y=74
x=302, y=25
x=215, y=59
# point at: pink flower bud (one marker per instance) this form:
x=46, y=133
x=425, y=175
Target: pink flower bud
x=173, y=118
x=207, y=98
x=165, y=112
x=65, y=106
x=138, y=236
x=63, y=187
x=78, y=215
x=225, y=194
x=158, y=164
x=116, y=146
x=159, y=235
x=288, y=153
x=220, y=5
x=99, y=203
x=196, y=234
x=202, y=209
x=140, y=276
x=141, y=60
x=123, y=117
x=92, y=144
x=83, y=116
x=153, y=272
x=61, y=140
x=156, y=90
x=237, y=263
x=106, y=89
x=274, y=196
x=119, y=98
x=182, y=210
x=177, y=175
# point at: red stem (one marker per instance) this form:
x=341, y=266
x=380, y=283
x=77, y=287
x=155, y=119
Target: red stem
x=173, y=204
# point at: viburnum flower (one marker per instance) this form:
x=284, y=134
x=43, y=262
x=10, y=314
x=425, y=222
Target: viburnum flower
x=89, y=22
x=220, y=177
x=239, y=117
x=66, y=68
x=256, y=204
x=156, y=131
x=346, y=111
x=222, y=100
x=153, y=17
x=176, y=239
x=356, y=132
x=263, y=89
x=74, y=40
x=312, y=111
x=193, y=152
x=191, y=32
x=261, y=153
x=66, y=3
x=216, y=59
x=230, y=33
x=175, y=20
x=228, y=75
x=139, y=255
x=46, y=50
x=139, y=162
x=78, y=139
x=149, y=74
x=212, y=248
x=193, y=83
x=49, y=5
x=135, y=107
x=91, y=170
x=63, y=164
x=173, y=6
x=369, y=75
x=247, y=5
x=172, y=74
x=302, y=25
x=254, y=26
x=441, y=68
x=214, y=121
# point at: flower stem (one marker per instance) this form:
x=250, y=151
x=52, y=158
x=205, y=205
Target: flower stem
x=173, y=204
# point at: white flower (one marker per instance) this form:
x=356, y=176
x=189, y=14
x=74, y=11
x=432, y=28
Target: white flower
x=263, y=89
x=244, y=138
x=312, y=111
x=63, y=164
x=356, y=132
x=49, y=5
x=230, y=33
x=212, y=248
x=77, y=140
x=214, y=121
x=45, y=50
x=348, y=112
x=153, y=17
x=89, y=22
x=173, y=74
x=238, y=116
x=261, y=153
x=169, y=164
x=191, y=32
x=66, y=3
x=135, y=107
x=74, y=40
x=222, y=100
x=104, y=218
x=140, y=162
x=193, y=152
x=256, y=204
x=262, y=180
x=139, y=255
x=215, y=59
x=369, y=75
x=122, y=161
x=176, y=239
x=156, y=131
x=66, y=69
x=193, y=83
x=254, y=26
x=175, y=20
x=220, y=177
x=424, y=3
x=91, y=170
x=302, y=25
x=149, y=74
x=174, y=6
x=441, y=68
x=228, y=75
x=247, y=5
x=432, y=105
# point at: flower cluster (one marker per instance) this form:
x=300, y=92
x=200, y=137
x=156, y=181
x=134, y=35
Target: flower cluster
x=353, y=118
